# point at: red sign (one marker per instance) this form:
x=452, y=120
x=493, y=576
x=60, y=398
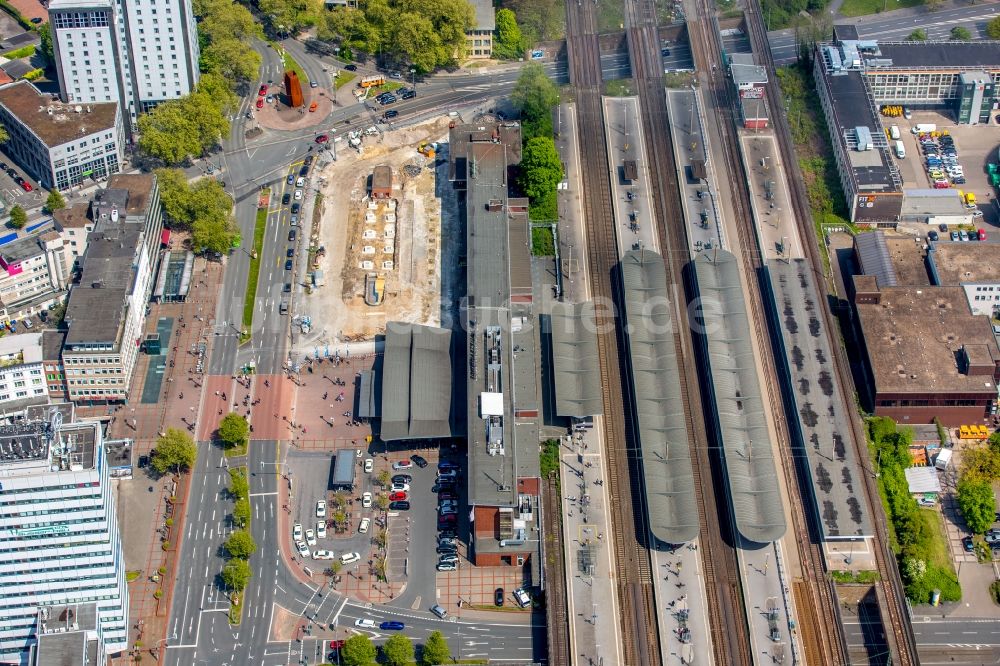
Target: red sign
x=752, y=93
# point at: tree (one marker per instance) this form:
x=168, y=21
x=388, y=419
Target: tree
x=993, y=28
x=541, y=168
x=174, y=191
x=240, y=544
x=18, y=218
x=215, y=86
x=4, y=136
x=381, y=502
x=914, y=569
x=175, y=450
x=288, y=16
x=179, y=129
x=918, y=35
x=214, y=235
x=398, y=650
x=980, y=463
x=435, y=650
x=234, y=430
x=335, y=568
x=232, y=60
x=976, y=502
x=358, y=651
x=960, y=34
x=54, y=202
x=382, y=478
x=509, y=43
x=339, y=518
x=933, y=5
x=241, y=512
x=534, y=96
x=540, y=20
x=236, y=574
x=45, y=36
x=239, y=487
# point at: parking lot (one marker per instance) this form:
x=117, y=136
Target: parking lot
x=14, y=194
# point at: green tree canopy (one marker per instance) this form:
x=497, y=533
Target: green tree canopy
x=203, y=207
x=509, y=43
x=981, y=463
x=54, y=202
x=180, y=129
x=958, y=33
x=4, y=136
x=239, y=487
x=18, y=218
x=234, y=430
x=993, y=28
x=241, y=512
x=232, y=59
x=240, y=544
x=289, y=16
x=215, y=86
x=236, y=574
x=976, y=502
x=534, y=96
x=435, y=650
x=358, y=651
x=541, y=168
x=175, y=450
x=45, y=36
x=918, y=35
x=540, y=20
x=398, y=650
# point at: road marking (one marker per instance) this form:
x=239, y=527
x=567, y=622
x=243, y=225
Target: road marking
x=263, y=494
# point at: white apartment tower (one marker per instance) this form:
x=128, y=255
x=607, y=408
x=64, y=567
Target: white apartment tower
x=59, y=538
x=134, y=52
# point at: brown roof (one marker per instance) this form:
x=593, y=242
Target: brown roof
x=76, y=216
x=958, y=263
x=909, y=260
x=139, y=185
x=913, y=338
x=25, y=102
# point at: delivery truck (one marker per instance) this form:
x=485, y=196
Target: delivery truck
x=900, y=150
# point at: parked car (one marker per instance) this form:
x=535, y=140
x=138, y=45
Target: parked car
x=448, y=558
x=321, y=529
x=399, y=506
x=498, y=596
x=522, y=598
x=932, y=235
x=324, y=555
x=447, y=510
x=369, y=465
x=400, y=488
x=409, y=94
x=310, y=538
x=292, y=234
x=25, y=185
x=402, y=478
x=298, y=195
x=366, y=500
x=349, y=558
x=926, y=501
x=398, y=497
x=288, y=265
x=391, y=626
x=290, y=252
x=263, y=90
x=447, y=532
x=402, y=464
x=365, y=623
x=351, y=67
x=447, y=550
x=364, y=525
x=447, y=566
x=445, y=465
x=260, y=103
x=297, y=532
x=982, y=233
x=302, y=548
x=968, y=544
x=439, y=611
x=962, y=235
x=419, y=461
x=322, y=138
x=391, y=113
x=296, y=207
x=446, y=541
x=447, y=495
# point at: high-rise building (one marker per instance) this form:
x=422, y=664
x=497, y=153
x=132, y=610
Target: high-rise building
x=134, y=52
x=59, y=538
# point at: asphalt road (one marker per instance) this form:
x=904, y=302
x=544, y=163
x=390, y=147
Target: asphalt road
x=897, y=25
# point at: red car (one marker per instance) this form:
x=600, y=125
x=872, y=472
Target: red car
x=263, y=90
x=260, y=102
x=26, y=186
x=447, y=518
x=397, y=497
x=322, y=138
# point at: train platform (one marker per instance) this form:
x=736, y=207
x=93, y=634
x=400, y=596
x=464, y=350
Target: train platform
x=700, y=192
x=772, y=206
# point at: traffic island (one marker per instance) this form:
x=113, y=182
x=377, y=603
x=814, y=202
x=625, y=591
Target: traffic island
x=250, y=298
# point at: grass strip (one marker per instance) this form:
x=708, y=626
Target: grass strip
x=254, y=273
x=289, y=63
x=343, y=78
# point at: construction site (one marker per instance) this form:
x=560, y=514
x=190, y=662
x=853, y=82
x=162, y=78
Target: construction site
x=383, y=214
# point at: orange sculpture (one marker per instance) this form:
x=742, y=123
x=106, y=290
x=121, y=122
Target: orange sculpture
x=293, y=89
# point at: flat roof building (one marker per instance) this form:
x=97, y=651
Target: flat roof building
x=975, y=267
x=479, y=38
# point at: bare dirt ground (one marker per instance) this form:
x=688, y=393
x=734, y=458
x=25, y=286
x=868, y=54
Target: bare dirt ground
x=425, y=211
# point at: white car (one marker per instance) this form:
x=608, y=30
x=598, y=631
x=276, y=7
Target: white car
x=300, y=182
x=365, y=623
x=369, y=465
x=321, y=529
x=298, y=195
x=297, y=532
x=349, y=558
x=310, y=537
x=400, y=488
x=522, y=598
x=366, y=500
x=321, y=509
x=926, y=501
x=302, y=548
x=363, y=525
x=323, y=555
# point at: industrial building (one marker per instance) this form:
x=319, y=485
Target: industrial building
x=973, y=266
x=854, y=76
x=750, y=80
x=69, y=551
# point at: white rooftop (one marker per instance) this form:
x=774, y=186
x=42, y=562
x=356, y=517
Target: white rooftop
x=922, y=480
x=28, y=345
x=491, y=404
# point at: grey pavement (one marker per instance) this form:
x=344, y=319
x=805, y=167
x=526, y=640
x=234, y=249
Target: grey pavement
x=634, y=217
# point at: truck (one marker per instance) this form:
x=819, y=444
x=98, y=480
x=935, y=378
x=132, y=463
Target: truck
x=894, y=132
x=900, y=149
x=371, y=81
x=924, y=128
x=970, y=200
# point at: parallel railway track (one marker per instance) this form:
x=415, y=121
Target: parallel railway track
x=727, y=621
x=895, y=609
x=640, y=640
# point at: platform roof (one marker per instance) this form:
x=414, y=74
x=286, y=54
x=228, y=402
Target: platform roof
x=416, y=382
x=823, y=427
x=664, y=441
x=576, y=361
x=748, y=452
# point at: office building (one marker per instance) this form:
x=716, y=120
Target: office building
x=59, y=537
x=60, y=145
x=69, y=635
x=22, y=379
x=137, y=53
x=479, y=38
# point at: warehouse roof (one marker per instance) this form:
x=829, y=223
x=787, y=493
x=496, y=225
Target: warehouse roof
x=913, y=336
x=953, y=264
x=823, y=427
x=664, y=446
x=576, y=361
x=873, y=258
x=748, y=452
x=416, y=382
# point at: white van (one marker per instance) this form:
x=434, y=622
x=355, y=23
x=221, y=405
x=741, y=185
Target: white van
x=894, y=132
x=900, y=149
x=349, y=558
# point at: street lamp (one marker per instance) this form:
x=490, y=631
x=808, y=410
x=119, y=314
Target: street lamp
x=413, y=78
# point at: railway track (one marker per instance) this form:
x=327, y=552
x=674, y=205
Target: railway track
x=727, y=620
x=895, y=610
x=557, y=619
x=640, y=640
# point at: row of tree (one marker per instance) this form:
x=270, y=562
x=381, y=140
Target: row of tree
x=359, y=650
x=203, y=208
x=226, y=31
x=240, y=545
x=541, y=170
